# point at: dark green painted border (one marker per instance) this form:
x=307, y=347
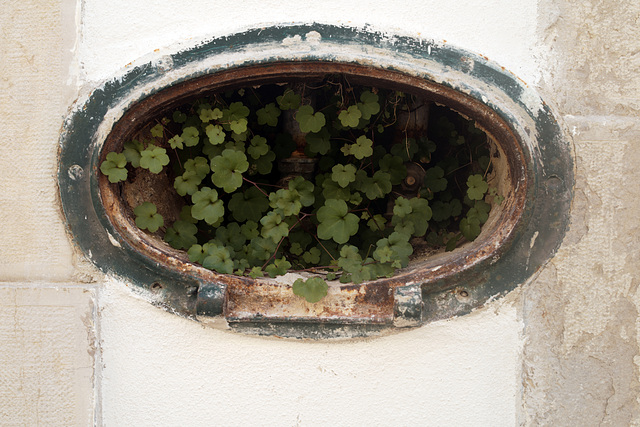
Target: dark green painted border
x=551, y=167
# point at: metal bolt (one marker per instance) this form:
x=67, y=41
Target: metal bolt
x=75, y=172
x=554, y=184
x=164, y=64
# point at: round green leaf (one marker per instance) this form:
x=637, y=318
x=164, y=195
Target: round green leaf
x=273, y=227
x=286, y=202
x=470, y=228
x=154, y=158
x=319, y=142
x=336, y=222
x=433, y=179
x=268, y=115
x=289, y=100
x=181, y=235
x=401, y=207
x=248, y=205
x=132, y=151
x=279, y=267
x=218, y=259
x=199, y=165
x=176, y=142
x=114, y=167
x=378, y=186
x=258, y=147
x=187, y=183
x=304, y=189
x=227, y=170
x=206, y=205
x=395, y=247
x=313, y=289
x=157, y=131
x=312, y=256
x=196, y=253
x=147, y=217
x=477, y=187
x=350, y=117
x=362, y=148
x=190, y=136
x=369, y=105
x=343, y=174
x=215, y=134
x=308, y=120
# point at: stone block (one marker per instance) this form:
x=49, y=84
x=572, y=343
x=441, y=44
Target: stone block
x=47, y=352
x=581, y=314
x=33, y=100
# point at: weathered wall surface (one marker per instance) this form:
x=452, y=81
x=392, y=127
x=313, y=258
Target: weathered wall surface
x=77, y=348
x=33, y=100
x=47, y=356
x=47, y=318
x=158, y=366
x=581, y=315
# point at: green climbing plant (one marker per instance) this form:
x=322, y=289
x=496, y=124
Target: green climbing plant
x=381, y=187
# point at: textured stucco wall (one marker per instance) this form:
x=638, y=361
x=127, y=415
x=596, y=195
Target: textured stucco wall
x=33, y=99
x=77, y=347
x=47, y=312
x=580, y=361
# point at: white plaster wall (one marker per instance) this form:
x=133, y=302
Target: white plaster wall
x=163, y=370
x=117, y=32
x=77, y=348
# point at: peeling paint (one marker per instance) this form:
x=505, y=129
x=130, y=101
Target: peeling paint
x=443, y=76
x=113, y=241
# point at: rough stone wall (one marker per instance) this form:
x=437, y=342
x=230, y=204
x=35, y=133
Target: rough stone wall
x=47, y=315
x=580, y=360
x=33, y=99
x=77, y=348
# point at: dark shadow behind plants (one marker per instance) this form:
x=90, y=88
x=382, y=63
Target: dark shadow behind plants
x=341, y=182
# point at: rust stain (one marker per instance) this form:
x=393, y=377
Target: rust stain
x=248, y=299
x=269, y=301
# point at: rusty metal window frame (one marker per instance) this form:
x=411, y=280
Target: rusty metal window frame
x=519, y=238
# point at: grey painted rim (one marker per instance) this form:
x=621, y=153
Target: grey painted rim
x=549, y=162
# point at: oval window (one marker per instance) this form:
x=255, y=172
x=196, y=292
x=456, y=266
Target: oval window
x=317, y=196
